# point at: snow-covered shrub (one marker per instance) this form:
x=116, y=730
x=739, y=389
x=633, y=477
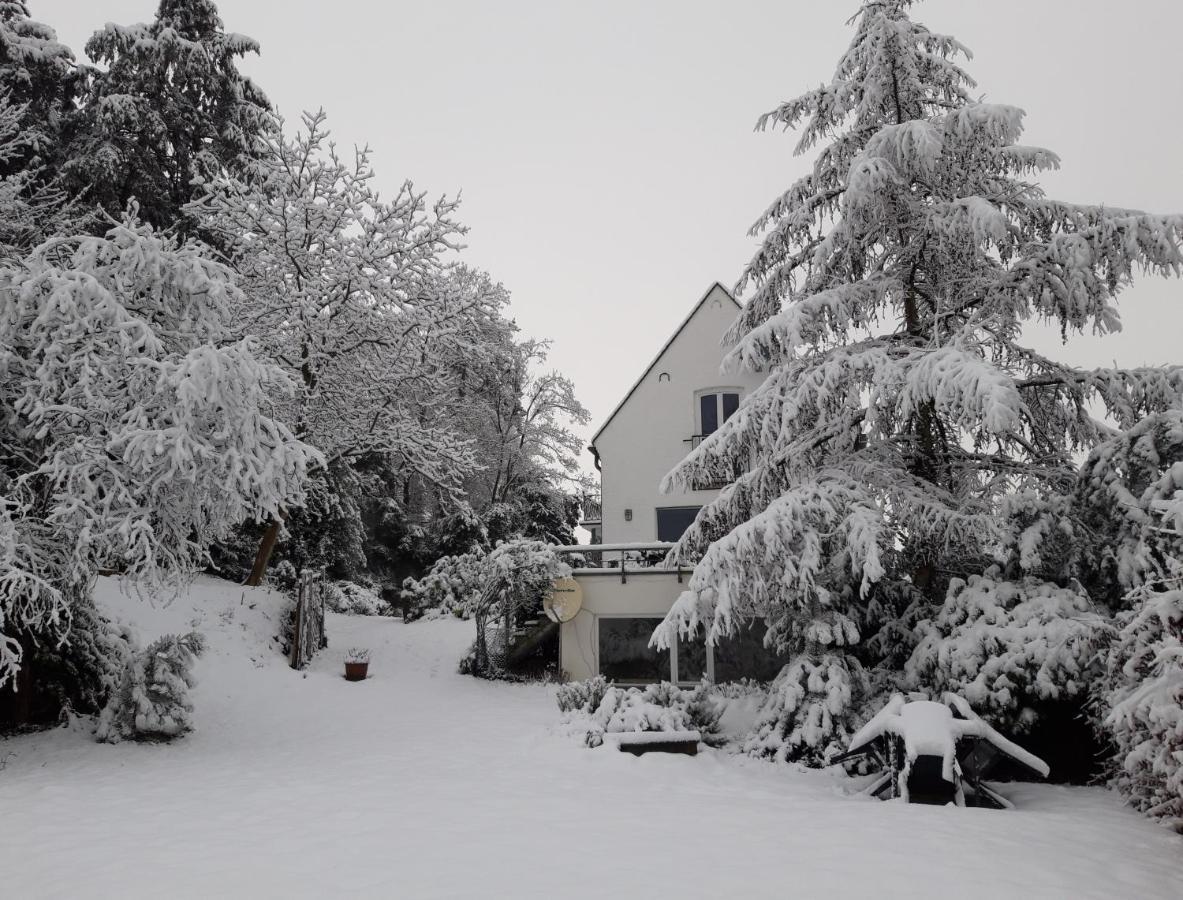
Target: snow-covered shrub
x=655, y=707
x=1144, y=699
x=581, y=695
x=152, y=701
x=447, y=589
x=596, y=707
x=514, y=578
x=809, y=713
x=704, y=707
x=77, y=676
x=1008, y=646
x=353, y=599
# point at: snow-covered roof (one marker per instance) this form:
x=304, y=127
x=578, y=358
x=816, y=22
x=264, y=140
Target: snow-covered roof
x=661, y=353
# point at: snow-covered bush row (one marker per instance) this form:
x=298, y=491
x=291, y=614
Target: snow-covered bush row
x=583, y=696
x=594, y=708
x=152, y=701
x=1007, y=646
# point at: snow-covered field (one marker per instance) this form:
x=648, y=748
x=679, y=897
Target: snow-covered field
x=422, y=783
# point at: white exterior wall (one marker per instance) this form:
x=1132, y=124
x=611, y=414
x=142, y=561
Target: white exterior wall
x=649, y=593
x=647, y=436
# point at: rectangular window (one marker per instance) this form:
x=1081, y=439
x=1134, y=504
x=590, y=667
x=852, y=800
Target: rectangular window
x=672, y=521
x=692, y=659
x=743, y=655
x=714, y=409
x=730, y=405
x=708, y=406
x=625, y=654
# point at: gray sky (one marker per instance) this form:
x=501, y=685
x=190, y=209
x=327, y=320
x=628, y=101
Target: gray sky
x=606, y=153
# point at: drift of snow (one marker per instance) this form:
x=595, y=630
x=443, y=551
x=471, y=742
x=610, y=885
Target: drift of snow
x=420, y=782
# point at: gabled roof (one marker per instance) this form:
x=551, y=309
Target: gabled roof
x=660, y=353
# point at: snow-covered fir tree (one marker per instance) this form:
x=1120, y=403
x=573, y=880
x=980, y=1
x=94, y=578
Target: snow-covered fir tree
x=168, y=106
x=38, y=74
x=152, y=700
x=901, y=411
x=1131, y=494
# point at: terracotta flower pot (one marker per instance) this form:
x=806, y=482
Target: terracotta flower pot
x=356, y=671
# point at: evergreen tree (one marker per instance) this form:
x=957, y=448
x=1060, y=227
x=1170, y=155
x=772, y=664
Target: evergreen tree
x=37, y=74
x=170, y=107
x=901, y=410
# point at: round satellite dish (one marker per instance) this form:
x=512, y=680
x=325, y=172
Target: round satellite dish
x=564, y=601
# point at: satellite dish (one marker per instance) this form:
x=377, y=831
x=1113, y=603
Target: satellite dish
x=564, y=601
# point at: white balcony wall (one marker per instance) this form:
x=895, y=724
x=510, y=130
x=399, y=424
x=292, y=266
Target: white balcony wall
x=644, y=593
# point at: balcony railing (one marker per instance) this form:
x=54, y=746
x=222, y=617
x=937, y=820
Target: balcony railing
x=621, y=559
x=722, y=480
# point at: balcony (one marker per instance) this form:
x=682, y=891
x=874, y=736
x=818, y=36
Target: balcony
x=590, y=511
x=722, y=480
x=621, y=559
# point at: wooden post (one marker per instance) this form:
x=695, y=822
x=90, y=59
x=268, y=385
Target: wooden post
x=298, y=627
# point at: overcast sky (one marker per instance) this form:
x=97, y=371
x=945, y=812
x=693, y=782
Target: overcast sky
x=605, y=149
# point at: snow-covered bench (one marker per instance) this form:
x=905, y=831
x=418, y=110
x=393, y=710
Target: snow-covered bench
x=923, y=744
x=638, y=742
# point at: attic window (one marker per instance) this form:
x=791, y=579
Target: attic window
x=664, y=376
x=715, y=408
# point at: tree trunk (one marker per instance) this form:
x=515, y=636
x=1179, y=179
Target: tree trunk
x=263, y=556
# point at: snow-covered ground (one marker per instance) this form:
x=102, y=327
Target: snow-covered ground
x=423, y=783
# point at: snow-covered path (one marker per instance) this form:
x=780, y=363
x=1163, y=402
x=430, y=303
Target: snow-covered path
x=422, y=783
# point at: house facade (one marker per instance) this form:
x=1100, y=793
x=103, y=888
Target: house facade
x=679, y=399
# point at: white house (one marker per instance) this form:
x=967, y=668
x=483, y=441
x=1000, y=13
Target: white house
x=680, y=398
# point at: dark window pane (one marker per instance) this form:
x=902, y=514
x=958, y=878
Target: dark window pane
x=708, y=405
x=672, y=521
x=692, y=659
x=743, y=655
x=730, y=405
x=625, y=654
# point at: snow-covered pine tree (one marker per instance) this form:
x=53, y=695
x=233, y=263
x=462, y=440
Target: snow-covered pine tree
x=131, y=430
x=901, y=407
x=169, y=107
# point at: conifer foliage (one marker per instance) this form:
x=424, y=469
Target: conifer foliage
x=152, y=701
x=37, y=72
x=168, y=108
x=902, y=414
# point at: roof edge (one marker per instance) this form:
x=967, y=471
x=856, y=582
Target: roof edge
x=660, y=353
